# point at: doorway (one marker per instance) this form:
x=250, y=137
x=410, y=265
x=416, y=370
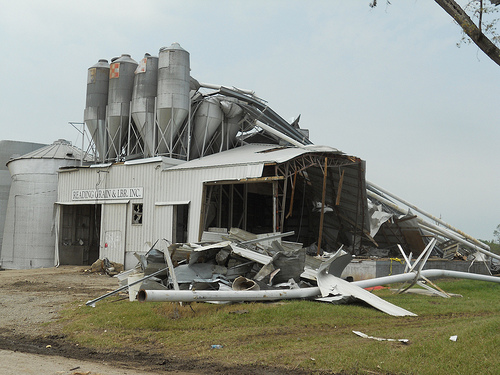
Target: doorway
x=80, y=234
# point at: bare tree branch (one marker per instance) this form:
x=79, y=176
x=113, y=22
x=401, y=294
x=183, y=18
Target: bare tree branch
x=472, y=31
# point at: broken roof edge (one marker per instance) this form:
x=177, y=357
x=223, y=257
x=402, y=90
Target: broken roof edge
x=254, y=153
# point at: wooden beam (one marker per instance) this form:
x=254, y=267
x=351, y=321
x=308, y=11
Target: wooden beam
x=323, y=196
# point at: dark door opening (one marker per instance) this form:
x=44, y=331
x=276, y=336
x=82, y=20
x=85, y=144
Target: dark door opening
x=80, y=233
x=246, y=206
x=180, y=223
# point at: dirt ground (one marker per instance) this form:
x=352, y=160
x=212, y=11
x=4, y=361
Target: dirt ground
x=29, y=298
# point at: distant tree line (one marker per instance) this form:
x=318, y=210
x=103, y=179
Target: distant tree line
x=495, y=243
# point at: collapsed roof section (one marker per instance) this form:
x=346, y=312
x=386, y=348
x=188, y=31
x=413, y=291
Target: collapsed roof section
x=317, y=192
x=413, y=228
x=224, y=118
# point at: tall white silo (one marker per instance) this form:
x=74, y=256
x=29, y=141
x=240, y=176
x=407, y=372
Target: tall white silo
x=173, y=94
x=29, y=237
x=143, y=101
x=96, y=102
x=121, y=84
x=9, y=150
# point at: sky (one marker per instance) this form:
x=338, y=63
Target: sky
x=388, y=85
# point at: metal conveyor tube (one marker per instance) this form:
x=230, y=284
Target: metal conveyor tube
x=223, y=295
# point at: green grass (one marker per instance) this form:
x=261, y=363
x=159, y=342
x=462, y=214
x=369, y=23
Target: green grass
x=310, y=335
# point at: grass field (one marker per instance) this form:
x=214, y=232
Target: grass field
x=311, y=336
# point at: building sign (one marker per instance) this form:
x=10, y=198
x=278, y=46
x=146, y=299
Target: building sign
x=106, y=194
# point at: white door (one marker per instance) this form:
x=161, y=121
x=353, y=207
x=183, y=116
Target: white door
x=163, y=222
x=113, y=233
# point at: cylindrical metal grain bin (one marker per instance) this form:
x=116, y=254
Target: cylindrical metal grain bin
x=29, y=237
x=96, y=102
x=173, y=93
x=233, y=115
x=143, y=101
x=10, y=150
x=207, y=119
x=121, y=84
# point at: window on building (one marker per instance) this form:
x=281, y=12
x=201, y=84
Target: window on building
x=137, y=213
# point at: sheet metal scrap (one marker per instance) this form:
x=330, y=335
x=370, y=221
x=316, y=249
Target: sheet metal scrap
x=266, y=273
x=364, y=335
x=242, y=266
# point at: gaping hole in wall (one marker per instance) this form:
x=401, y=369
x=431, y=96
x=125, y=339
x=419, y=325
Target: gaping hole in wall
x=320, y=199
x=259, y=207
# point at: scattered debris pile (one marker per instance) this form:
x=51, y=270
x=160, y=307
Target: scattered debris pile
x=106, y=266
x=395, y=222
x=241, y=266
x=238, y=260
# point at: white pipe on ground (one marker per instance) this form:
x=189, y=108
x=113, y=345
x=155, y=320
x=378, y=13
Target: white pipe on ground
x=223, y=295
x=263, y=295
x=432, y=273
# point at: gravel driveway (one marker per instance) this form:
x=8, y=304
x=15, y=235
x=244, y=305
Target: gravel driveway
x=29, y=298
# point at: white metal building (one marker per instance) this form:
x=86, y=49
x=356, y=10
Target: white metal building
x=260, y=188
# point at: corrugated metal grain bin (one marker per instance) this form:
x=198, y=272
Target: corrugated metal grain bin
x=29, y=240
x=8, y=150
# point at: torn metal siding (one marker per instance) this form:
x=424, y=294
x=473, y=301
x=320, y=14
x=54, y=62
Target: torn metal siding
x=403, y=230
x=345, y=219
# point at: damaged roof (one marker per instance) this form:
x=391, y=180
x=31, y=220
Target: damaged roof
x=253, y=154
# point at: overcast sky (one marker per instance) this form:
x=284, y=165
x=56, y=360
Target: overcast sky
x=388, y=84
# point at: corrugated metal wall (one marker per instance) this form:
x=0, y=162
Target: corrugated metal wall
x=7, y=150
x=161, y=190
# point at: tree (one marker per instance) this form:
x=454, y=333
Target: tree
x=496, y=234
x=476, y=33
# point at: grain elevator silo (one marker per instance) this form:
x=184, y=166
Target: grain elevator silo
x=9, y=150
x=29, y=237
x=233, y=115
x=143, y=101
x=121, y=83
x=173, y=95
x=96, y=102
x=207, y=120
